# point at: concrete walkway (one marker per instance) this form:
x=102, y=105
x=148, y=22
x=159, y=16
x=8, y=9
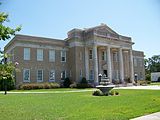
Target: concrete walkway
x=154, y=116
x=41, y=92
x=152, y=87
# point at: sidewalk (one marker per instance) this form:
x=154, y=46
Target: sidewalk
x=154, y=116
x=152, y=87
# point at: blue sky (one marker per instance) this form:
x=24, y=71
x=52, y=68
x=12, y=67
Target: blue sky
x=139, y=19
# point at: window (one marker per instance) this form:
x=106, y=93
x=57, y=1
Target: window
x=91, y=75
x=26, y=75
x=115, y=57
x=39, y=55
x=26, y=53
x=52, y=55
x=80, y=55
x=70, y=73
x=135, y=62
x=39, y=75
x=52, y=76
x=140, y=63
x=80, y=74
x=103, y=55
x=90, y=54
x=63, y=56
x=63, y=75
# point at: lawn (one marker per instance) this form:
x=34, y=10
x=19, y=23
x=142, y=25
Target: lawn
x=79, y=106
x=155, y=83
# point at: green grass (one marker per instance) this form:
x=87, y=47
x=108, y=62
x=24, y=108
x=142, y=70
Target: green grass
x=79, y=106
x=155, y=83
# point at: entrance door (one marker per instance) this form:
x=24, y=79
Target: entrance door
x=105, y=72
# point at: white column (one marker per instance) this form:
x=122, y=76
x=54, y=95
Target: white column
x=131, y=67
x=121, y=65
x=95, y=61
x=109, y=63
x=86, y=63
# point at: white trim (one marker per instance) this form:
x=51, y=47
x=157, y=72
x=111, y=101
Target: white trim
x=28, y=45
x=24, y=75
x=64, y=55
x=52, y=70
x=39, y=54
x=42, y=75
x=52, y=55
x=26, y=54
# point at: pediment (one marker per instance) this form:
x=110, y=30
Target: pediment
x=104, y=29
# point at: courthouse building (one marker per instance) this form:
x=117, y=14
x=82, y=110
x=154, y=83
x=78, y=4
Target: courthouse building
x=84, y=53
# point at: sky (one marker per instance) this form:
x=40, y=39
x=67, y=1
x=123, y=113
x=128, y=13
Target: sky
x=138, y=19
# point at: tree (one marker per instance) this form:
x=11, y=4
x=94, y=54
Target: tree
x=6, y=32
x=6, y=69
x=6, y=74
x=152, y=65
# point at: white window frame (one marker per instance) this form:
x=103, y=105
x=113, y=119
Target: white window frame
x=52, y=55
x=38, y=76
x=39, y=54
x=62, y=75
x=24, y=75
x=53, y=76
x=63, y=55
x=26, y=53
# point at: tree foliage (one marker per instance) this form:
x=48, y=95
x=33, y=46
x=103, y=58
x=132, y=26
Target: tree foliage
x=153, y=63
x=6, y=32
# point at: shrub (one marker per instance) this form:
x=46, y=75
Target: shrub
x=148, y=77
x=158, y=79
x=97, y=93
x=84, y=81
x=74, y=85
x=66, y=82
x=116, y=93
x=9, y=82
x=32, y=86
x=113, y=92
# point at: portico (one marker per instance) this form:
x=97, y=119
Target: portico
x=112, y=65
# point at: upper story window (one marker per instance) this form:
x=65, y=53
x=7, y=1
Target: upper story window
x=52, y=76
x=26, y=53
x=63, y=56
x=26, y=75
x=103, y=55
x=90, y=54
x=52, y=55
x=39, y=75
x=39, y=54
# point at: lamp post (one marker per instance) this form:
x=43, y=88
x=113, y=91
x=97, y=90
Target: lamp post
x=16, y=63
x=100, y=76
x=135, y=76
